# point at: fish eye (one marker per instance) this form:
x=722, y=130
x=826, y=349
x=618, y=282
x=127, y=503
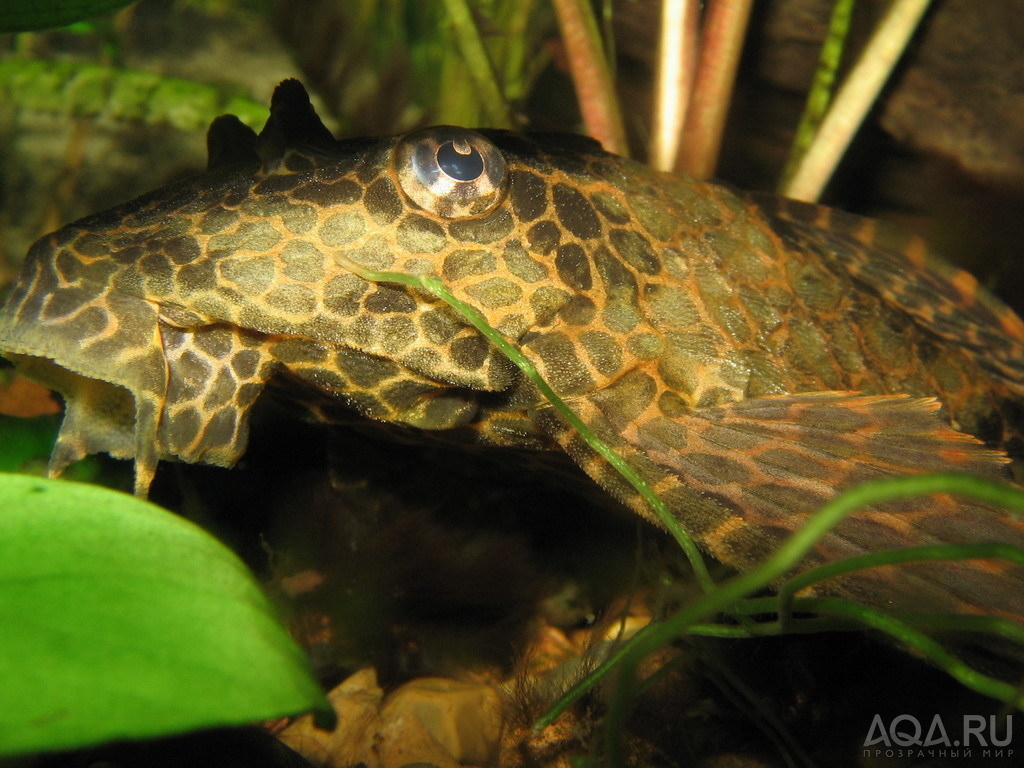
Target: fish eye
x=451, y=172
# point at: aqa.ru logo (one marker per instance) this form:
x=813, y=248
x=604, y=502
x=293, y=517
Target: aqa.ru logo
x=907, y=731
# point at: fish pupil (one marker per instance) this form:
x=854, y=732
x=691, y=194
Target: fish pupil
x=461, y=161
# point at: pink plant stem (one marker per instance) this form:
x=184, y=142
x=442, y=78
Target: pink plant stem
x=590, y=74
x=725, y=25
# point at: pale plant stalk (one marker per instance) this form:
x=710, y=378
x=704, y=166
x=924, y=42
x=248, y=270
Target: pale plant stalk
x=676, y=62
x=855, y=98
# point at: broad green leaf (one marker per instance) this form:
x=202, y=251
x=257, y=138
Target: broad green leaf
x=121, y=620
x=24, y=15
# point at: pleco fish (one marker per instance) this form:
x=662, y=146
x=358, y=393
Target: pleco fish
x=749, y=358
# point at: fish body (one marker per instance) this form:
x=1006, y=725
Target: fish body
x=749, y=358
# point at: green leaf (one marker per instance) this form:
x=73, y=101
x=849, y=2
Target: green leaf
x=111, y=93
x=25, y=15
x=121, y=620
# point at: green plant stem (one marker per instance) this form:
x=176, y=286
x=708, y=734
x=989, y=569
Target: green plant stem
x=435, y=286
x=591, y=74
x=628, y=657
x=514, y=48
x=478, y=63
x=727, y=596
x=942, y=622
x=855, y=98
x=820, y=95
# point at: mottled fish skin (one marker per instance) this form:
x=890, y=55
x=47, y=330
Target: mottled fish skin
x=749, y=358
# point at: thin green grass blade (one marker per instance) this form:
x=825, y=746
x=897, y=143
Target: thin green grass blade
x=435, y=286
x=986, y=551
x=634, y=651
x=908, y=636
x=518, y=50
x=728, y=593
x=995, y=626
x=120, y=621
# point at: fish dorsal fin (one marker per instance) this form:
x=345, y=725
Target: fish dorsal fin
x=945, y=300
x=742, y=476
x=229, y=142
x=293, y=124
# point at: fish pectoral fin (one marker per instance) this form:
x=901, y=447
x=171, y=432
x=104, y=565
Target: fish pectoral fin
x=777, y=460
x=742, y=476
x=823, y=441
x=215, y=374
x=785, y=457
